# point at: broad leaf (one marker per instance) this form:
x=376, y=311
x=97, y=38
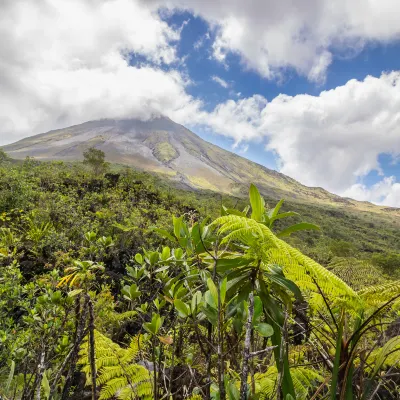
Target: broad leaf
x=139, y=258
x=75, y=292
x=264, y=329
x=258, y=309
x=274, y=212
x=257, y=204
x=223, y=290
x=213, y=290
x=302, y=226
x=182, y=308
x=226, y=264
x=196, y=301
x=165, y=234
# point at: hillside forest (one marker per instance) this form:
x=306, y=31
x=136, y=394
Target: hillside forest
x=116, y=284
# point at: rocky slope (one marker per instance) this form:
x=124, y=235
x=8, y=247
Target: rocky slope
x=163, y=146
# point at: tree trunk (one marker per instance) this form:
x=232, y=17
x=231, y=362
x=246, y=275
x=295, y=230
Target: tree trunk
x=41, y=368
x=73, y=357
x=246, y=350
x=220, y=350
x=209, y=360
x=282, y=356
x=92, y=354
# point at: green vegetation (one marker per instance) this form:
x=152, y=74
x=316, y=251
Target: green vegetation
x=95, y=158
x=162, y=149
x=118, y=285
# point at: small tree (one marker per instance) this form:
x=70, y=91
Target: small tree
x=95, y=158
x=3, y=157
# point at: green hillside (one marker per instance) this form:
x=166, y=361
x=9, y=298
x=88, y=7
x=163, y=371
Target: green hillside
x=162, y=146
x=118, y=285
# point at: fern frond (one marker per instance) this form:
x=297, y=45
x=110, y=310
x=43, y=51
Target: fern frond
x=118, y=375
x=297, y=267
x=385, y=356
x=304, y=380
x=356, y=273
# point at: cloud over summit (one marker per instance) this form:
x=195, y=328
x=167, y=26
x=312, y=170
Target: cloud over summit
x=62, y=63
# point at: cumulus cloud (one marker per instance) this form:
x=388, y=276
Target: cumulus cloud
x=63, y=63
x=385, y=192
x=271, y=36
x=331, y=140
x=220, y=81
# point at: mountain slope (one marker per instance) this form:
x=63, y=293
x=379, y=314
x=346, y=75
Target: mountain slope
x=160, y=145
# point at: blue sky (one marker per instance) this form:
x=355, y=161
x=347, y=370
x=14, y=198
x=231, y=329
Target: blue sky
x=373, y=59
x=309, y=88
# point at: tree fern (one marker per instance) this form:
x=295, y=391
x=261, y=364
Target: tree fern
x=356, y=273
x=304, y=381
x=379, y=294
x=299, y=268
x=118, y=374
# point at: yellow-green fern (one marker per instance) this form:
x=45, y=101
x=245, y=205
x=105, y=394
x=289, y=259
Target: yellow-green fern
x=304, y=381
x=302, y=270
x=117, y=373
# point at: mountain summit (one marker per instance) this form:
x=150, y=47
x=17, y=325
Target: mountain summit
x=163, y=146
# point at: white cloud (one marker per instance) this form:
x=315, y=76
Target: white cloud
x=201, y=41
x=271, y=36
x=220, y=81
x=386, y=191
x=331, y=140
x=63, y=63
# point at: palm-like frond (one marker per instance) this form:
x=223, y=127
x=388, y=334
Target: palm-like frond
x=302, y=270
x=376, y=296
x=118, y=374
x=356, y=273
x=304, y=380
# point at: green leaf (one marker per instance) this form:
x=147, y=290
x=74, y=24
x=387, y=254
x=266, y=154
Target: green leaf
x=246, y=210
x=46, y=385
x=285, y=215
x=123, y=228
x=183, y=308
x=178, y=254
x=232, y=391
x=75, y=292
x=233, y=211
x=264, y=329
x=130, y=292
x=257, y=204
x=165, y=234
x=139, y=258
x=10, y=376
x=223, y=290
x=154, y=326
x=211, y=314
x=279, y=278
x=213, y=290
x=258, y=309
x=179, y=230
x=209, y=298
x=274, y=212
x=196, y=301
x=302, y=226
x=226, y=264
x=154, y=257
x=159, y=322
x=56, y=297
x=166, y=253
x=197, y=240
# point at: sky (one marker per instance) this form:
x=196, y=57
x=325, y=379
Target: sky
x=309, y=87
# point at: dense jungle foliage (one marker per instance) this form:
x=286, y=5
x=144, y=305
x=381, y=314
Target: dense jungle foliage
x=114, y=284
